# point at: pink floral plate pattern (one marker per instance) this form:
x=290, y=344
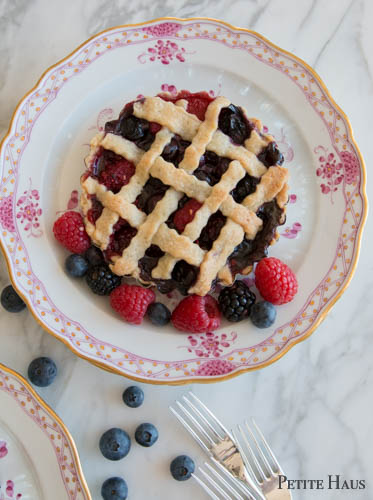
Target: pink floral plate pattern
x=327, y=189
x=27, y=424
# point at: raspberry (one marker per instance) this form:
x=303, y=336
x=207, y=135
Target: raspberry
x=196, y=314
x=186, y=214
x=117, y=175
x=69, y=230
x=131, y=302
x=275, y=281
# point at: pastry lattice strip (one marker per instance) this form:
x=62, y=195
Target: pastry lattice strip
x=241, y=218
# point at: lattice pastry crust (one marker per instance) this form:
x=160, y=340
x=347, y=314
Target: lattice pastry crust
x=241, y=218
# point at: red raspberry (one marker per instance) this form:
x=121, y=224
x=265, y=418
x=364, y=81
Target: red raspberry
x=186, y=214
x=131, y=302
x=69, y=230
x=117, y=174
x=275, y=281
x=196, y=314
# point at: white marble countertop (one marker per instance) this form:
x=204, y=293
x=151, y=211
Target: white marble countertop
x=315, y=403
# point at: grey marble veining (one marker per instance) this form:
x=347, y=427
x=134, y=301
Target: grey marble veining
x=315, y=404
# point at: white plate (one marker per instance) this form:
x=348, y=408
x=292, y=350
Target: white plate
x=38, y=459
x=42, y=159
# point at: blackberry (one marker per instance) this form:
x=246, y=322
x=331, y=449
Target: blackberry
x=101, y=280
x=236, y=301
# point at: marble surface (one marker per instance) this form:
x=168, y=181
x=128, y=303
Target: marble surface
x=314, y=404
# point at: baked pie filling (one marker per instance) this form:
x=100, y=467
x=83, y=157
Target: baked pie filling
x=183, y=192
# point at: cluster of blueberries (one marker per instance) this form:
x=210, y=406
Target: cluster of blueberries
x=115, y=443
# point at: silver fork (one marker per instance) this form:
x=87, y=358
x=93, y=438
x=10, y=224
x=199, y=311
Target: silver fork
x=219, y=483
x=214, y=439
x=260, y=461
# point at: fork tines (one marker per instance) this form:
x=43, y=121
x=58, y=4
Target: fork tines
x=220, y=484
x=256, y=453
x=206, y=429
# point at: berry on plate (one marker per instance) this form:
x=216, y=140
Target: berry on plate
x=146, y=434
x=42, y=371
x=115, y=444
x=101, y=280
x=158, y=314
x=263, y=314
x=69, y=230
x=236, y=301
x=11, y=301
x=76, y=265
x=275, y=281
x=131, y=302
x=196, y=314
x=182, y=467
x=114, y=488
x=133, y=396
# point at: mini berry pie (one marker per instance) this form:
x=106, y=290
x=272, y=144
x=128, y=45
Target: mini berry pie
x=183, y=192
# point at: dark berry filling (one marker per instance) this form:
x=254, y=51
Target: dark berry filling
x=234, y=124
x=271, y=155
x=211, y=168
x=183, y=275
x=248, y=252
x=137, y=130
x=212, y=230
x=152, y=192
x=246, y=186
x=114, y=171
x=120, y=239
x=174, y=151
x=95, y=211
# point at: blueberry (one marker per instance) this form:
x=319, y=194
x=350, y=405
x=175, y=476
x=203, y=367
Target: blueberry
x=133, y=396
x=94, y=256
x=271, y=155
x=42, y=371
x=114, y=488
x=115, y=444
x=76, y=265
x=159, y=314
x=182, y=467
x=146, y=434
x=11, y=301
x=233, y=123
x=133, y=128
x=171, y=150
x=145, y=142
x=263, y=314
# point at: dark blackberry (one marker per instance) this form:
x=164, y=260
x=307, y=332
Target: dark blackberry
x=101, y=280
x=236, y=301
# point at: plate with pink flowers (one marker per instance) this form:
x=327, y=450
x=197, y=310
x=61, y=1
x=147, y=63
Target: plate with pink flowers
x=65, y=159
x=38, y=459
